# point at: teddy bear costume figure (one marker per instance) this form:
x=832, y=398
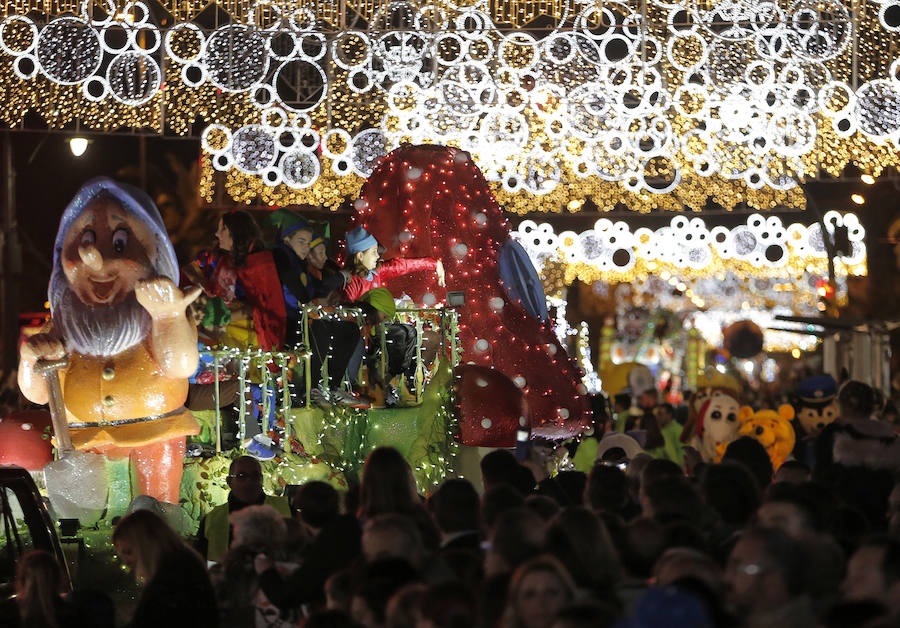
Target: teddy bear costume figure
x=119, y=316
x=772, y=429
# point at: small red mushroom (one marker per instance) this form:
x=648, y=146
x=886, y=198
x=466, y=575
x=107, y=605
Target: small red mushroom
x=25, y=439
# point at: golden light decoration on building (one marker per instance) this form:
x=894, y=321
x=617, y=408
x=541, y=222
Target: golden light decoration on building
x=649, y=105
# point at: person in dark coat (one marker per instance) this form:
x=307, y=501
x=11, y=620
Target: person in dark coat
x=176, y=584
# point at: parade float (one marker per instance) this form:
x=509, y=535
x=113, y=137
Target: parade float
x=119, y=430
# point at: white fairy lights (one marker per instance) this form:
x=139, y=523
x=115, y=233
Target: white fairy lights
x=647, y=97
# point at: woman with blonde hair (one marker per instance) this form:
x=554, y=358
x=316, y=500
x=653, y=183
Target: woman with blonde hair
x=173, y=575
x=538, y=590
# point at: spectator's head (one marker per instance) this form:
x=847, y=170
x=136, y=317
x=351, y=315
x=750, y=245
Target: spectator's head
x=659, y=469
x=766, y=570
x=142, y=539
x=404, y=606
x=392, y=536
x=873, y=571
x=645, y=540
x=387, y=484
x=260, y=527
x=455, y=506
x=38, y=586
x=606, y=489
x=857, y=401
x=339, y=591
x=751, y=453
x=572, y=484
x=664, y=414
x=545, y=507
x=731, y=490
x=792, y=472
x=538, y=591
x=499, y=467
x=621, y=403
x=373, y=587
x=580, y=540
x=678, y=563
x=317, y=503
x=245, y=480
x=671, y=499
x=791, y=509
x=518, y=535
x=449, y=605
x=495, y=501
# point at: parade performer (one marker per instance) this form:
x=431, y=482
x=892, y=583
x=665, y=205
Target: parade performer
x=118, y=315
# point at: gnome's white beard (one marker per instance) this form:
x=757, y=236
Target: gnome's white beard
x=101, y=330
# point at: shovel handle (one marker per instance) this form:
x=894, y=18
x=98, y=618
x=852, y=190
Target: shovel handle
x=42, y=367
x=50, y=370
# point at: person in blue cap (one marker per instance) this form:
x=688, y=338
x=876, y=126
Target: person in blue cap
x=367, y=273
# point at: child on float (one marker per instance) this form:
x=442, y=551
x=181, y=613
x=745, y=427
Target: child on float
x=329, y=339
x=368, y=272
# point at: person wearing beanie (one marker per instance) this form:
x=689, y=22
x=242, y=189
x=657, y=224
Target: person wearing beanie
x=366, y=271
x=335, y=340
x=367, y=277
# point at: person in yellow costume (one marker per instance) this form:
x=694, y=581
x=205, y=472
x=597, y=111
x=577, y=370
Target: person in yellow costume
x=118, y=315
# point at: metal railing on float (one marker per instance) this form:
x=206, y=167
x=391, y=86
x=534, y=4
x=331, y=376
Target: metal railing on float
x=272, y=373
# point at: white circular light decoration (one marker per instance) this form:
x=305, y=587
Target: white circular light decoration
x=68, y=50
x=482, y=345
x=133, y=78
x=519, y=381
x=253, y=149
x=428, y=299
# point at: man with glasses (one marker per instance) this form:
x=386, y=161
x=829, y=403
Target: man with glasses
x=245, y=483
x=766, y=580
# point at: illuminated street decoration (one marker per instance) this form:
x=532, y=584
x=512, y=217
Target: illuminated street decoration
x=656, y=105
x=755, y=270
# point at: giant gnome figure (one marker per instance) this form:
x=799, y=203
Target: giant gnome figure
x=118, y=315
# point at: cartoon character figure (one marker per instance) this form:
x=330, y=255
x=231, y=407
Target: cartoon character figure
x=119, y=316
x=723, y=390
x=716, y=426
x=816, y=403
x=772, y=429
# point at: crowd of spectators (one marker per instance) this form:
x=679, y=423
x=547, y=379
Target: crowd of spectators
x=636, y=542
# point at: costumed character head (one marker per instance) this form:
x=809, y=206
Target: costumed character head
x=111, y=236
x=816, y=403
x=716, y=426
x=237, y=232
x=714, y=386
x=772, y=429
x=362, y=251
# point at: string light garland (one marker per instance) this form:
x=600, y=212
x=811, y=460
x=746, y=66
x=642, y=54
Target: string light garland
x=657, y=105
x=716, y=275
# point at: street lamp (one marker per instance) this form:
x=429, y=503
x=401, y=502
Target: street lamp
x=78, y=145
